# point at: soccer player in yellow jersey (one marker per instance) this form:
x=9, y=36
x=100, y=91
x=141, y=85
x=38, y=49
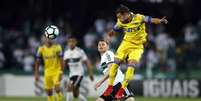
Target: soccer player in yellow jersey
x=52, y=54
x=131, y=47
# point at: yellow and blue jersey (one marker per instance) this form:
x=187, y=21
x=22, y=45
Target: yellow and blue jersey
x=135, y=31
x=51, y=57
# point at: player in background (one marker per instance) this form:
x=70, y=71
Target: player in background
x=52, y=55
x=131, y=47
x=107, y=57
x=74, y=58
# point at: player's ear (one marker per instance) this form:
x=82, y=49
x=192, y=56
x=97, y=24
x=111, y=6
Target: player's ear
x=75, y=41
x=108, y=47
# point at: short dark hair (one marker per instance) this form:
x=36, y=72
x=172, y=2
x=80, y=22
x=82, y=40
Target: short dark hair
x=122, y=9
x=103, y=41
x=71, y=37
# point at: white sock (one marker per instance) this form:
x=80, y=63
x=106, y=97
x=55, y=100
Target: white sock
x=82, y=98
x=69, y=96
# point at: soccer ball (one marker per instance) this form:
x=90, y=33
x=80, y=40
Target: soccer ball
x=51, y=31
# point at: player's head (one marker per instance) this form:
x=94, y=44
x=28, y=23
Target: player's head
x=72, y=42
x=103, y=46
x=123, y=14
x=48, y=41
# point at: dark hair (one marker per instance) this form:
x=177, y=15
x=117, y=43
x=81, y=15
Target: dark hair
x=71, y=37
x=103, y=41
x=122, y=9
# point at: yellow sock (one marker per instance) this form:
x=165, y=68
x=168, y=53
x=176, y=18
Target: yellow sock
x=50, y=98
x=128, y=76
x=112, y=73
x=59, y=96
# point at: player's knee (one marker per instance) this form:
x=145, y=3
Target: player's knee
x=132, y=63
x=57, y=88
x=99, y=99
x=130, y=99
x=68, y=87
x=117, y=61
x=49, y=92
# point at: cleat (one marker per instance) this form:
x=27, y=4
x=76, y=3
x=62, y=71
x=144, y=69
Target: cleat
x=120, y=93
x=108, y=91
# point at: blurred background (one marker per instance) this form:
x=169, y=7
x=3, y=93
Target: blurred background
x=173, y=52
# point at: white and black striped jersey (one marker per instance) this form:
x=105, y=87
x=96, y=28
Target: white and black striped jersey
x=75, y=58
x=107, y=58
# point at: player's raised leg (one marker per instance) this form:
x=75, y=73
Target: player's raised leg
x=119, y=56
x=133, y=59
x=128, y=77
x=112, y=74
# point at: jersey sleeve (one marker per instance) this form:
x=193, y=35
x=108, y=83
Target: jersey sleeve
x=83, y=55
x=65, y=55
x=59, y=50
x=39, y=53
x=109, y=57
x=145, y=18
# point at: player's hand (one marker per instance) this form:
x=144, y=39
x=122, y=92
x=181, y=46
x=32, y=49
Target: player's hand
x=97, y=85
x=109, y=35
x=108, y=38
x=37, y=77
x=60, y=76
x=91, y=77
x=163, y=20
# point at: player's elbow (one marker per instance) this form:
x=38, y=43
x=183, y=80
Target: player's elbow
x=111, y=33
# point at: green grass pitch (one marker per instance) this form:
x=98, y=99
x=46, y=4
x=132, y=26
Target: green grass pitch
x=93, y=99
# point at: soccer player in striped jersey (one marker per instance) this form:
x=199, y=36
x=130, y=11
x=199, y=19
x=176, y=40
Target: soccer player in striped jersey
x=74, y=58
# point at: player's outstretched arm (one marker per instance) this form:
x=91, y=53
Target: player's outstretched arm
x=103, y=79
x=62, y=67
x=62, y=64
x=109, y=36
x=90, y=69
x=158, y=20
x=36, y=72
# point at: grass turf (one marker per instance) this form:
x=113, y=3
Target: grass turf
x=93, y=99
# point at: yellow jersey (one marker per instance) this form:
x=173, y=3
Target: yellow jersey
x=51, y=57
x=134, y=31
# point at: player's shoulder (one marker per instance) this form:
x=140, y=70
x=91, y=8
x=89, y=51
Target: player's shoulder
x=109, y=52
x=139, y=16
x=41, y=47
x=79, y=49
x=57, y=45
